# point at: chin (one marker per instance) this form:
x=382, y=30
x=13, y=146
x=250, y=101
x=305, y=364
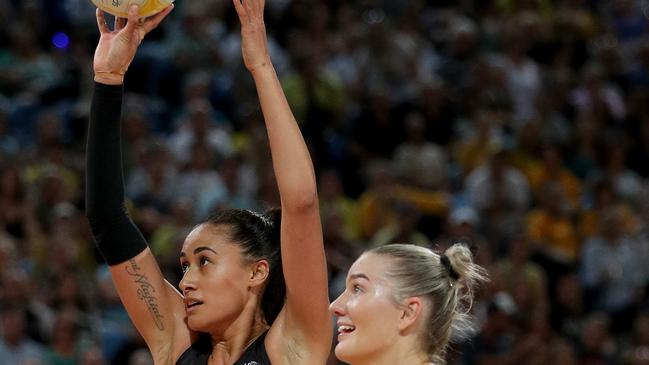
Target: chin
x=195, y=324
x=345, y=353
x=191, y=324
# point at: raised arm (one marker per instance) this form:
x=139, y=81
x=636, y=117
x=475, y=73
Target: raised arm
x=154, y=306
x=305, y=314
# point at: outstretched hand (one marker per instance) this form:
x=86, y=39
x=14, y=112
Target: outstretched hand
x=254, y=44
x=116, y=48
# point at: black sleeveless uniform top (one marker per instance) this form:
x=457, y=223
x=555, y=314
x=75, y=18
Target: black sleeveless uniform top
x=200, y=351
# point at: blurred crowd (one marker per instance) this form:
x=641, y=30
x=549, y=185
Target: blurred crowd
x=520, y=127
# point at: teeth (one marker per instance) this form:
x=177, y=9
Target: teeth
x=346, y=328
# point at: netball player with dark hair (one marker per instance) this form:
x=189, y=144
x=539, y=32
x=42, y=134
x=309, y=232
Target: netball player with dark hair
x=254, y=290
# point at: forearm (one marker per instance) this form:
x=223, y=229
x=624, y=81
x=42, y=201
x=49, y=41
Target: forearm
x=103, y=167
x=116, y=236
x=291, y=160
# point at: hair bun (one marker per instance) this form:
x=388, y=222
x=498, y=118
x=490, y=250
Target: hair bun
x=446, y=262
x=460, y=261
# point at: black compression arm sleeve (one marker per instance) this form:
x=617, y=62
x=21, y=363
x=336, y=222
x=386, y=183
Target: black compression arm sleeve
x=117, y=238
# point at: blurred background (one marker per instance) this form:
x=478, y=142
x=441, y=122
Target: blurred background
x=520, y=127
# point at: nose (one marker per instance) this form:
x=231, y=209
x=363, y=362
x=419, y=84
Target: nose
x=337, y=307
x=188, y=282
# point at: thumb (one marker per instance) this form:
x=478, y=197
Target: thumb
x=133, y=20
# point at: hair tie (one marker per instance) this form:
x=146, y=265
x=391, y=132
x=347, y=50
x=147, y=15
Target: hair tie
x=449, y=268
x=264, y=219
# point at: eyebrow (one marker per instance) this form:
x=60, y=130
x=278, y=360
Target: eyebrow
x=198, y=250
x=358, y=276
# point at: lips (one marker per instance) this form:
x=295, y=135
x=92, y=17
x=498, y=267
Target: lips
x=192, y=303
x=345, y=329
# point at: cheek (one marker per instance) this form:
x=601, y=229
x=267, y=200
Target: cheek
x=225, y=293
x=376, y=318
x=376, y=328
x=226, y=283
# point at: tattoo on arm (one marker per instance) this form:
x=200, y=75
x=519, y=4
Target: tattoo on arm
x=146, y=292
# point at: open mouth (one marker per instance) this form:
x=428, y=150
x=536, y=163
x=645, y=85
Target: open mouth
x=345, y=329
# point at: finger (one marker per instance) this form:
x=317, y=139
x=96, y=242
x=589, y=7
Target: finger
x=241, y=11
x=133, y=20
x=247, y=4
x=101, y=22
x=262, y=5
x=119, y=23
x=259, y=8
x=155, y=20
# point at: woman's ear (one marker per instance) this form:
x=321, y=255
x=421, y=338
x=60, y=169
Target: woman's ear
x=411, y=310
x=259, y=271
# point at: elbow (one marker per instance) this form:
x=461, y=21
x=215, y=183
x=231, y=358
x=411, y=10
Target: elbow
x=101, y=217
x=303, y=201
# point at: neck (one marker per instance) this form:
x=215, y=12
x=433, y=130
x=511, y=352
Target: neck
x=228, y=345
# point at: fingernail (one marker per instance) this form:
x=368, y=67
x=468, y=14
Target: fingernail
x=133, y=9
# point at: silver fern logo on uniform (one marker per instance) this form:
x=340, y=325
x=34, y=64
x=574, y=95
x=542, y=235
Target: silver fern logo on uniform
x=251, y=363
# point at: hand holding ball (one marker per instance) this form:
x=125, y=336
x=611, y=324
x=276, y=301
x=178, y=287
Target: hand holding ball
x=119, y=8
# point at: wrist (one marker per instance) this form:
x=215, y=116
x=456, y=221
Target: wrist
x=261, y=68
x=260, y=74
x=109, y=78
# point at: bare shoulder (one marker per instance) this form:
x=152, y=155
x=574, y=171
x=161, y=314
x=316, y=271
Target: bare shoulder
x=285, y=345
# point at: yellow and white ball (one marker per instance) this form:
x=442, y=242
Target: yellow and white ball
x=120, y=7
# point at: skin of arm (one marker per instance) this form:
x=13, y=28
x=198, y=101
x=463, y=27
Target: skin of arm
x=155, y=307
x=304, y=325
